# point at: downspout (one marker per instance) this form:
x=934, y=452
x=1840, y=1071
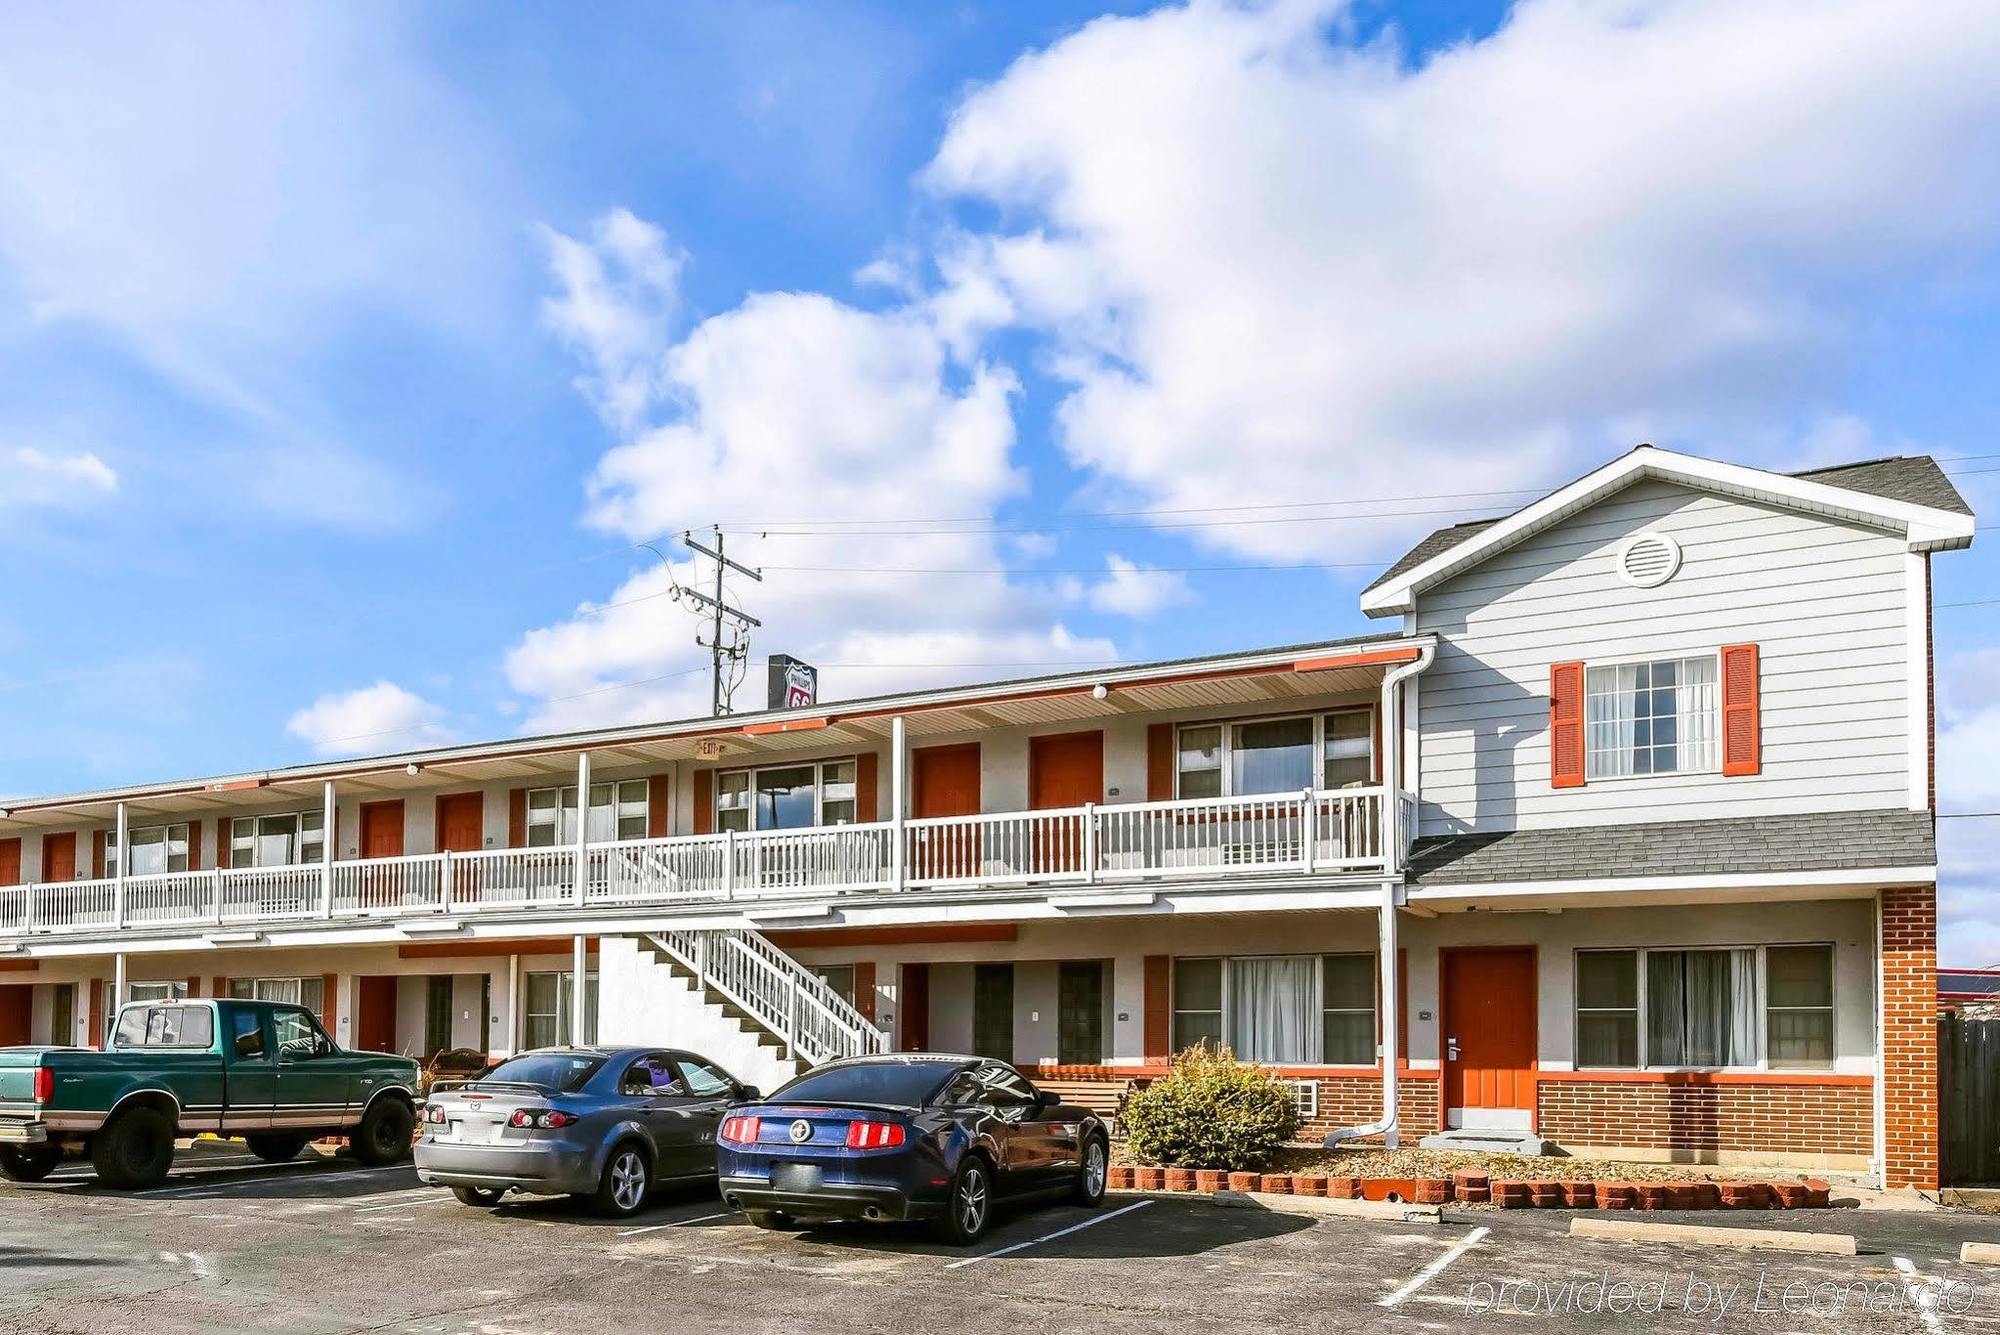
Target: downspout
x=1392, y=847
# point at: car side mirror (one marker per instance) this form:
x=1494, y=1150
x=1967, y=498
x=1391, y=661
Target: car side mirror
x=1044, y=1100
x=749, y=1093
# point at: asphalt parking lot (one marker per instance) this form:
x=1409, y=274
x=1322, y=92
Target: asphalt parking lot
x=231, y=1243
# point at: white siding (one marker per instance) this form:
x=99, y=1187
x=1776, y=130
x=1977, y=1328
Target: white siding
x=1825, y=602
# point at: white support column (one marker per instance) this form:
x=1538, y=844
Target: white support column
x=512, y=1037
x=117, y=988
x=118, y=877
x=1391, y=1013
x=326, y=851
x=576, y=997
x=582, y=839
x=899, y=801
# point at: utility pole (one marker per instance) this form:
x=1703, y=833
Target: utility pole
x=737, y=646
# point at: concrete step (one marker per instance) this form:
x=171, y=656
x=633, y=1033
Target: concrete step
x=1489, y=1141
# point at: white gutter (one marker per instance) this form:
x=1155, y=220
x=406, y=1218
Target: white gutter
x=1392, y=824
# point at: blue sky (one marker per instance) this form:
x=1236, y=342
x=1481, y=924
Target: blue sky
x=346, y=350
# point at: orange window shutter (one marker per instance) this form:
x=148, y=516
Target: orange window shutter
x=867, y=785
x=194, y=984
x=864, y=989
x=97, y=842
x=329, y=997
x=1742, y=724
x=659, y=805
x=1566, y=749
x=517, y=818
x=219, y=986
x=97, y=1012
x=1159, y=1008
x=704, y=801
x=1160, y=762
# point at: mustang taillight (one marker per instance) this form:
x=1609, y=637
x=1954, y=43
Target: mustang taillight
x=543, y=1119
x=45, y=1084
x=874, y=1135
x=741, y=1130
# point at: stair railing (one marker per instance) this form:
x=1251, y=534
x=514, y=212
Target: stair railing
x=777, y=992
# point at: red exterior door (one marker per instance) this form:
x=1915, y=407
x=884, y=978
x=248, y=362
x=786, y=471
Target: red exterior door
x=913, y=1008
x=1489, y=1022
x=382, y=829
x=944, y=781
x=10, y=861
x=375, y=1021
x=59, y=857
x=1065, y=770
x=17, y=1010
x=461, y=819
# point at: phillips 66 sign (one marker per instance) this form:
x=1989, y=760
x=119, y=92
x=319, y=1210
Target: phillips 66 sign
x=794, y=684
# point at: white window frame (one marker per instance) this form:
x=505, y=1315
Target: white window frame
x=158, y=989
x=1316, y=1030
x=1713, y=656
x=272, y=989
x=1225, y=750
x=1763, y=1018
x=255, y=840
x=820, y=785
x=559, y=1019
x=188, y=832
x=560, y=816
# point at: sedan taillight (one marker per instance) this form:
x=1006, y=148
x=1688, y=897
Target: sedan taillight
x=45, y=1085
x=433, y=1112
x=542, y=1119
x=741, y=1130
x=874, y=1135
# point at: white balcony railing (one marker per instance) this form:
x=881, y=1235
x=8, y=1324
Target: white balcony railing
x=1326, y=833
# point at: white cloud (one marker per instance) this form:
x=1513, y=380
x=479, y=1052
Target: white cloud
x=1134, y=590
x=1272, y=264
x=382, y=717
x=794, y=406
x=35, y=478
x=618, y=294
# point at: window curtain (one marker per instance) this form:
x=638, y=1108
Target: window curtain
x=1701, y=1008
x=1273, y=1008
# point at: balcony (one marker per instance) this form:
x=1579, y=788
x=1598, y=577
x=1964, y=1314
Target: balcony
x=1277, y=839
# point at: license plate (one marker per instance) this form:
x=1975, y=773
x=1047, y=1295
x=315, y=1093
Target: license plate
x=795, y=1177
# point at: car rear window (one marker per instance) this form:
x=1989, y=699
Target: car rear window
x=566, y=1072
x=907, y=1083
x=165, y=1027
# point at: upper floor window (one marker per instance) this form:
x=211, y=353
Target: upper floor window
x=786, y=797
x=1283, y=755
x=1656, y=717
x=155, y=849
x=277, y=841
x=617, y=811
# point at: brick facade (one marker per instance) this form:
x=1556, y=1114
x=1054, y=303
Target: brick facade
x=1704, y=1116
x=1909, y=1037
x=1355, y=1100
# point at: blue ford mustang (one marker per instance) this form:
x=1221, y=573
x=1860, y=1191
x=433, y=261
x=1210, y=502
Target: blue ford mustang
x=913, y=1136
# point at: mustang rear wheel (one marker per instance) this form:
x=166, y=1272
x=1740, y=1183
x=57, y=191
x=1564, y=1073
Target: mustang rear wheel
x=621, y=1190
x=28, y=1165
x=1093, y=1172
x=135, y=1149
x=970, y=1205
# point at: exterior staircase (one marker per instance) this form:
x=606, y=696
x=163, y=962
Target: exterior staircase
x=731, y=995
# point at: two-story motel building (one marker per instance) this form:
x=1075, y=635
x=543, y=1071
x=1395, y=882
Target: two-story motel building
x=1620, y=831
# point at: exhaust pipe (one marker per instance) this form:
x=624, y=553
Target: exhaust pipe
x=732, y=1202
x=873, y=1214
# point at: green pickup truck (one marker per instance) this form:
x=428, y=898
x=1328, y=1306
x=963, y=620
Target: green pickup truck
x=255, y=1069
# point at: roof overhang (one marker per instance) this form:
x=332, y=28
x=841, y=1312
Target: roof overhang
x=1924, y=528
x=1265, y=679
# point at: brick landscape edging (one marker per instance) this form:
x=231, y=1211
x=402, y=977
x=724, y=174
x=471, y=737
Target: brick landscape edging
x=1470, y=1187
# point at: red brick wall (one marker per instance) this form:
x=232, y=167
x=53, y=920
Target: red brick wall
x=1737, y=1117
x=1909, y=1036
x=1354, y=1100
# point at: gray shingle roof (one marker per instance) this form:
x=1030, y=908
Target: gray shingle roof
x=1913, y=478
x=1817, y=841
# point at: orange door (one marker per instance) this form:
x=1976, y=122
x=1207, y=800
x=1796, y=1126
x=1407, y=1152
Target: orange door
x=17, y=1010
x=1065, y=770
x=944, y=781
x=10, y=861
x=1489, y=1021
x=375, y=1021
x=461, y=819
x=913, y=1007
x=382, y=829
x=58, y=857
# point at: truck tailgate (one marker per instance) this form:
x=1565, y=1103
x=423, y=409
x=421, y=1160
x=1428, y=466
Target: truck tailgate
x=17, y=1074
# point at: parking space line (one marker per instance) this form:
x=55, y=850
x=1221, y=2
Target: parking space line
x=1430, y=1272
x=405, y=1205
x=1091, y=1222
x=1926, y=1299
x=676, y=1223
x=318, y=1175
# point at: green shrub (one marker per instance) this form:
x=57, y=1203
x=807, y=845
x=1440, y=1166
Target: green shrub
x=1211, y=1111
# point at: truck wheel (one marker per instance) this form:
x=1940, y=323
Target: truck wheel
x=384, y=1134
x=29, y=1165
x=276, y=1148
x=134, y=1150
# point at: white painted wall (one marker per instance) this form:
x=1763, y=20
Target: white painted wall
x=1826, y=602
x=643, y=1002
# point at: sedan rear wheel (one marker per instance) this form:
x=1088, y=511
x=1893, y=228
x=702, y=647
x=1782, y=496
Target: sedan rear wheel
x=970, y=1205
x=621, y=1191
x=479, y=1196
x=28, y=1164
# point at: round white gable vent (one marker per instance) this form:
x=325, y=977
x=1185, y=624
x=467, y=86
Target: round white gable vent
x=1648, y=560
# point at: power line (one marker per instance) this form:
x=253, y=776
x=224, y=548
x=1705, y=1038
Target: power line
x=1968, y=815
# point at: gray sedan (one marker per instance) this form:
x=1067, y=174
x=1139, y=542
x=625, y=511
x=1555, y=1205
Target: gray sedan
x=600, y=1124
